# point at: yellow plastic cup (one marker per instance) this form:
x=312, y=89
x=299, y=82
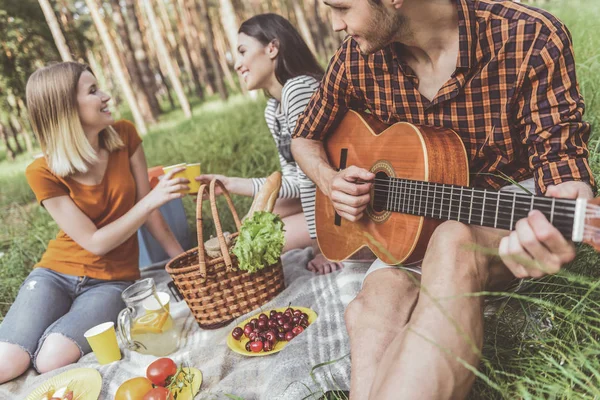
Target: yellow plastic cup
x=103, y=341
x=151, y=305
x=192, y=171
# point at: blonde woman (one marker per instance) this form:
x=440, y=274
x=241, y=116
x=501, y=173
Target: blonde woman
x=93, y=181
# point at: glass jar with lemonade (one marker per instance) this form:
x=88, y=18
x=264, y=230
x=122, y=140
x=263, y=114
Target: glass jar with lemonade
x=146, y=325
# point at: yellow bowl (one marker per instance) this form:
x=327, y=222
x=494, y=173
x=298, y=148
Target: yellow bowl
x=239, y=346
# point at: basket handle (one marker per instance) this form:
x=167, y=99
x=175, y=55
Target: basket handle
x=217, y=220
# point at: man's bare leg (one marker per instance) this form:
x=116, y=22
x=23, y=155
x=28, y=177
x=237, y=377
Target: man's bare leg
x=422, y=362
x=373, y=319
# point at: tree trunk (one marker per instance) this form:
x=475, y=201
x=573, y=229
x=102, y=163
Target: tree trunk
x=156, y=64
x=16, y=120
x=131, y=64
x=202, y=11
x=221, y=48
x=189, y=32
x=116, y=65
x=10, y=153
x=13, y=130
x=303, y=25
x=315, y=28
x=174, y=49
x=230, y=24
x=70, y=28
x=183, y=49
x=59, y=38
x=141, y=56
x=198, y=74
x=164, y=55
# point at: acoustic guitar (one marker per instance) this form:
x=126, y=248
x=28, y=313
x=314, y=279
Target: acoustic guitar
x=421, y=179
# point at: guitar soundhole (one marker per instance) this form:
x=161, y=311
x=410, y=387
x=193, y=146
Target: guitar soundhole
x=380, y=178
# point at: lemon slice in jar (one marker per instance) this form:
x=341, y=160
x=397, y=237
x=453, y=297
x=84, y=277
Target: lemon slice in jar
x=150, y=323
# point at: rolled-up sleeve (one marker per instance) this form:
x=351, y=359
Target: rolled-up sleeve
x=550, y=111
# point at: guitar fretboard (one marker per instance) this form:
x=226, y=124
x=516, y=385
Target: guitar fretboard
x=471, y=206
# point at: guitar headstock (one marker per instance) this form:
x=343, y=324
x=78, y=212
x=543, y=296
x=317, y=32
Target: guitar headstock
x=591, y=230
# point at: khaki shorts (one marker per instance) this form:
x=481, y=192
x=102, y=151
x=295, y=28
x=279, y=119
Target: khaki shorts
x=528, y=184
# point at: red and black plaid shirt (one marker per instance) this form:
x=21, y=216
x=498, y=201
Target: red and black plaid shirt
x=513, y=99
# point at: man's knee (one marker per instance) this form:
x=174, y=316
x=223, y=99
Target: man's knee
x=386, y=299
x=458, y=245
x=451, y=234
x=57, y=351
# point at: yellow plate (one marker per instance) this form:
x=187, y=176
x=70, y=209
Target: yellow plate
x=239, y=346
x=81, y=380
x=185, y=393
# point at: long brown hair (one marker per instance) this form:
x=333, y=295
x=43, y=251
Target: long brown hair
x=294, y=57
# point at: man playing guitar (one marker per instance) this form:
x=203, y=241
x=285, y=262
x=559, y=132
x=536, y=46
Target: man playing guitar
x=500, y=74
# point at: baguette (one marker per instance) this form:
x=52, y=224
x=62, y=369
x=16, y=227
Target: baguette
x=267, y=196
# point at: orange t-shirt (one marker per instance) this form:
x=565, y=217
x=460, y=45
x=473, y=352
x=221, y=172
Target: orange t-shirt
x=103, y=203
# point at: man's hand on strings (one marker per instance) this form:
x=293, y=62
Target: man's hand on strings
x=536, y=248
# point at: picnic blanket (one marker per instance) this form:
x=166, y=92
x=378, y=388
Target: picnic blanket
x=284, y=375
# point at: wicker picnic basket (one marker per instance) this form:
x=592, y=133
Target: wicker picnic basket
x=214, y=288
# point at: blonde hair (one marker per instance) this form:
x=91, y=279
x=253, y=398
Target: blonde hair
x=52, y=104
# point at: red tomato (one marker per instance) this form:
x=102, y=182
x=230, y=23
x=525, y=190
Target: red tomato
x=133, y=389
x=161, y=370
x=159, y=393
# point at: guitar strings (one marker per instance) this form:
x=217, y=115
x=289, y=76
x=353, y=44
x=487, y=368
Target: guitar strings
x=411, y=196
x=500, y=221
x=411, y=184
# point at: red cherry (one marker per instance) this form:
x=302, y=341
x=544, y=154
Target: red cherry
x=287, y=327
x=297, y=313
x=271, y=336
x=268, y=346
x=289, y=336
x=263, y=317
x=296, y=320
x=273, y=314
x=237, y=333
x=248, y=349
x=262, y=324
x=305, y=315
x=254, y=322
x=272, y=324
x=252, y=335
x=281, y=336
x=297, y=330
x=256, y=347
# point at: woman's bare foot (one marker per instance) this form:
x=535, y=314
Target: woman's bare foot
x=323, y=266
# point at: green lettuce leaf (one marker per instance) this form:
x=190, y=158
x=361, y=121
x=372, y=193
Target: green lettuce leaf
x=260, y=241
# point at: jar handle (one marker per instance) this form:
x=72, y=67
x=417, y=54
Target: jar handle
x=124, y=328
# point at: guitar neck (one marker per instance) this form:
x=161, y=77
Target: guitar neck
x=471, y=206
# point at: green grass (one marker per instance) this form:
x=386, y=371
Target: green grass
x=540, y=344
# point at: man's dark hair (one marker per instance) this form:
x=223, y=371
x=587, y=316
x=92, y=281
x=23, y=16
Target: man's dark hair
x=294, y=58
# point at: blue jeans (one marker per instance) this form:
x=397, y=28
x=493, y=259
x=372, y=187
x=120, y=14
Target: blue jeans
x=50, y=302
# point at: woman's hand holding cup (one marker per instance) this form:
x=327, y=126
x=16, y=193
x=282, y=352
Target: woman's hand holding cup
x=168, y=188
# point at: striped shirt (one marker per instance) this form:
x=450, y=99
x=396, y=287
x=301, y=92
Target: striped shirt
x=513, y=98
x=281, y=119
